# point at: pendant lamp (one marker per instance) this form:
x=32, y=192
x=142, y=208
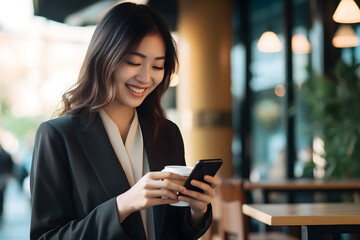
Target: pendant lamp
x=269, y=42
x=347, y=12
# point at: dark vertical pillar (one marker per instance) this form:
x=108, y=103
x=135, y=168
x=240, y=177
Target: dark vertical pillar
x=331, y=54
x=290, y=120
x=246, y=103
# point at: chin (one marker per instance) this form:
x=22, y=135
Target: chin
x=135, y=104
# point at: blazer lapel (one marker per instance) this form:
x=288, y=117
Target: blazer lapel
x=100, y=154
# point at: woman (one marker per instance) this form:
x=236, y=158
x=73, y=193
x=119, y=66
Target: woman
x=96, y=170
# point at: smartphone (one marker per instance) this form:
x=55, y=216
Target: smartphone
x=202, y=168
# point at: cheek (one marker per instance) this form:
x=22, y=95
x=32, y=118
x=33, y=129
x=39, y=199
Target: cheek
x=159, y=78
x=124, y=73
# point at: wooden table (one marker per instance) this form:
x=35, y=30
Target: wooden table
x=298, y=185
x=302, y=184
x=316, y=219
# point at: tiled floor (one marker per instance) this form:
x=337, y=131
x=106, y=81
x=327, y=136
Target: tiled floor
x=16, y=219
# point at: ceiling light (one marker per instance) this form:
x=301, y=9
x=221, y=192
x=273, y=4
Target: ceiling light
x=269, y=42
x=347, y=12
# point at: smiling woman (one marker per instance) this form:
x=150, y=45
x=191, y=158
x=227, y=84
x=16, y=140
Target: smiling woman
x=97, y=168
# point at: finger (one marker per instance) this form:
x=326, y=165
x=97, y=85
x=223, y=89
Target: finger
x=214, y=182
x=198, y=196
x=194, y=203
x=161, y=193
x=165, y=175
x=208, y=190
x=168, y=185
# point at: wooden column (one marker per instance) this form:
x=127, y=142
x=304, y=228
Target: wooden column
x=203, y=94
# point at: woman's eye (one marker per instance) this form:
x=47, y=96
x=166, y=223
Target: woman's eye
x=158, y=68
x=132, y=63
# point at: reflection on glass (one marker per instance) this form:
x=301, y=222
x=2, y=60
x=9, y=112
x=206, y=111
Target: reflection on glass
x=267, y=71
x=300, y=44
x=280, y=90
x=345, y=37
x=301, y=63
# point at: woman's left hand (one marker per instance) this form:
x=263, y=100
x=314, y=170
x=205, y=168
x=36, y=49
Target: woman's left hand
x=199, y=201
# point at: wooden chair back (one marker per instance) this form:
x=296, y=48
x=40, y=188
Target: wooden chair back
x=233, y=196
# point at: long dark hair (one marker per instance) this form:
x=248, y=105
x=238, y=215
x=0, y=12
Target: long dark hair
x=119, y=32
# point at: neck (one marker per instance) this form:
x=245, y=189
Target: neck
x=122, y=117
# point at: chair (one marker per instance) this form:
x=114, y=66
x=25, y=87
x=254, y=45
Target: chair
x=231, y=224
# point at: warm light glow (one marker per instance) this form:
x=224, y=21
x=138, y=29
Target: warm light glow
x=9, y=141
x=280, y=91
x=319, y=161
x=174, y=80
x=347, y=12
x=345, y=37
x=300, y=44
x=268, y=112
x=301, y=85
x=269, y=42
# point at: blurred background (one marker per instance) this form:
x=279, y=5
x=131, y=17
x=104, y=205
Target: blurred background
x=270, y=86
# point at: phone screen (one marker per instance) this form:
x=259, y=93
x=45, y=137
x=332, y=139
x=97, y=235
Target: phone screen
x=202, y=168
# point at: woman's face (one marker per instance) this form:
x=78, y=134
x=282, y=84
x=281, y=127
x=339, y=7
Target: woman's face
x=141, y=72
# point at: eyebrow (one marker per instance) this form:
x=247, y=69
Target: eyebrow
x=143, y=56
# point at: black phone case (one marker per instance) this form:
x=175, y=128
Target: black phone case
x=202, y=168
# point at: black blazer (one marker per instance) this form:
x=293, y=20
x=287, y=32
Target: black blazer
x=76, y=176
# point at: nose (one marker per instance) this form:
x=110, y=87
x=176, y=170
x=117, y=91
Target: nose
x=144, y=75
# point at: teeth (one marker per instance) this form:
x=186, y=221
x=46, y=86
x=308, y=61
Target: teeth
x=137, y=90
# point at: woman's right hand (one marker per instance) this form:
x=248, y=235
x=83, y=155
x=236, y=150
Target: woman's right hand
x=149, y=191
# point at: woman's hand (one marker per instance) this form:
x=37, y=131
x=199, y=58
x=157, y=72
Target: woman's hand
x=149, y=191
x=199, y=201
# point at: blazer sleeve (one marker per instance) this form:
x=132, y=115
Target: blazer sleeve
x=54, y=213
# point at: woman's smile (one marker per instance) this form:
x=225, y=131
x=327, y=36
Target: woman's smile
x=136, y=91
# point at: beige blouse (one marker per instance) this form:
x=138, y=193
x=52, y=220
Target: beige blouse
x=133, y=159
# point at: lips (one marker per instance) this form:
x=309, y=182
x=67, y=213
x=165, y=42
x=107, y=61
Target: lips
x=136, y=90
